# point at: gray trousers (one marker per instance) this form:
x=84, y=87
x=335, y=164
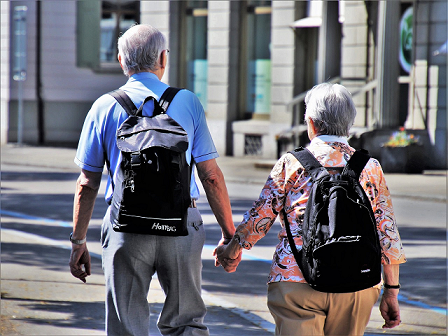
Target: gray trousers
x=130, y=261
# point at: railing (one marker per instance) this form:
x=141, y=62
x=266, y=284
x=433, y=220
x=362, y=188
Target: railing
x=292, y=136
x=295, y=104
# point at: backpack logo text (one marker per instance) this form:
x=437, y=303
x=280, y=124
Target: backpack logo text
x=163, y=227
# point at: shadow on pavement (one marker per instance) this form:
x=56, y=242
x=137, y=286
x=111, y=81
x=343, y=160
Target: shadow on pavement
x=83, y=315
x=42, y=256
x=9, y=176
x=52, y=206
x=255, y=276
x=54, y=232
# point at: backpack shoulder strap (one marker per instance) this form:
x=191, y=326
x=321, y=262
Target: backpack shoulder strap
x=123, y=99
x=309, y=162
x=167, y=97
x=356, y=163
x=292, y=244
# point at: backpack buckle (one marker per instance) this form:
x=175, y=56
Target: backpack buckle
x=129, y=180
x=136, y=160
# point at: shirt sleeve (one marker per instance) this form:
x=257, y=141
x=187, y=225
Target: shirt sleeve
x=259, y=219
x=373, y=182
x=90, y=152
x=203, y=146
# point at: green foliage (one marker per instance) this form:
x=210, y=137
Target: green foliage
x=401, y=138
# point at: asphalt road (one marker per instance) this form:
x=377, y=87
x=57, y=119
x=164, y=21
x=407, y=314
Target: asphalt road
x=39, y=201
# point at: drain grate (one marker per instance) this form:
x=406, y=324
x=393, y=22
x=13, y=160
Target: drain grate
x=252, y=145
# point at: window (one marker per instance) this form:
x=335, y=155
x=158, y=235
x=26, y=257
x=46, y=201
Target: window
x=99, y=24
x=196, y=49
x=258, y=98
x=116, y=18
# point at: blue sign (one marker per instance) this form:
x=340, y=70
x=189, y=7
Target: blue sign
x=19, y=41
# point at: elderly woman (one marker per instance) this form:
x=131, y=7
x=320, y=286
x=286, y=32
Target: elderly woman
x=296, y=307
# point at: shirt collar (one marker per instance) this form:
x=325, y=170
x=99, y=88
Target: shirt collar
x=329, y=138
x=143, y=75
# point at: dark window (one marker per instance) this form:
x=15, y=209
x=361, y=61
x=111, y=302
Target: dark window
x=196, y=49
x=258, y=57
x=99, y=24
x=116, y=18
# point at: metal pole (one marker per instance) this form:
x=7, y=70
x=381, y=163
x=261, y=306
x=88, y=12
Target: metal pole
x=40, y=102
x=329, y=53
x=387, y=70
x=20, y=114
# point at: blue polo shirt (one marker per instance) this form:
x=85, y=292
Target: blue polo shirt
x=98, y=137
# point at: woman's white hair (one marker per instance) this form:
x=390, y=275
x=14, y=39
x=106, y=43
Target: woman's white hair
x=331, y=108
x=140, y=47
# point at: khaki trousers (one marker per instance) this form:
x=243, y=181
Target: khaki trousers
x=299, y=310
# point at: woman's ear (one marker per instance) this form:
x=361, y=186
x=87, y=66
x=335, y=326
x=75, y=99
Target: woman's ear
x=312, y=130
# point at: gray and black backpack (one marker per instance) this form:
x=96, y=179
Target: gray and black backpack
x=341, y=251
x=152, y=189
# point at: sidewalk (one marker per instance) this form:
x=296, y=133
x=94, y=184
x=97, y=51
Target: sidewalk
x=51, y=302
x=431, y=185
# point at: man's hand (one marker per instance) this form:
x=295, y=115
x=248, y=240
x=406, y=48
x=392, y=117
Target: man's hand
x=80, y=256
x=223, y=241
x=222, y=259
x=389, y=308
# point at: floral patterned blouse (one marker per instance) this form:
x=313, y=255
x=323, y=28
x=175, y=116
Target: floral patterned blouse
x=288, y=188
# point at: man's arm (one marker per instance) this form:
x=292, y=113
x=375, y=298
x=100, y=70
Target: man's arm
x=87, y=187
x=215, y=188
x=389, y=308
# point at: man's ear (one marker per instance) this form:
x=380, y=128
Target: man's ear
x=163, y=59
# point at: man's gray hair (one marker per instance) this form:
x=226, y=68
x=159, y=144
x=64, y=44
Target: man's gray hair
x=331, y=108
x=140, y=47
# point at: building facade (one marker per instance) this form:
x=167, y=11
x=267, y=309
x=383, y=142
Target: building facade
x=249, y=62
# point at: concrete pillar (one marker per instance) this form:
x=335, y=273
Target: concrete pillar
x=283, y=61
x=418, y=94
x=223, y=52
x=329, y=59
x=157, y=14
x=387, y=64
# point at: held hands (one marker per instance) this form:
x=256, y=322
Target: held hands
x=224, y=259
x=80, y=256
x=389, y=308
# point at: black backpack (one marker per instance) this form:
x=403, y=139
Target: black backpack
x=341, y=251
x=152, y=194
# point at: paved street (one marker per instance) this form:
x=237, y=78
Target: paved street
x=40, y=297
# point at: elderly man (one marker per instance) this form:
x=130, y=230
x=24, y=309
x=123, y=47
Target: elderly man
x=297, y=308
x=130, y=260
